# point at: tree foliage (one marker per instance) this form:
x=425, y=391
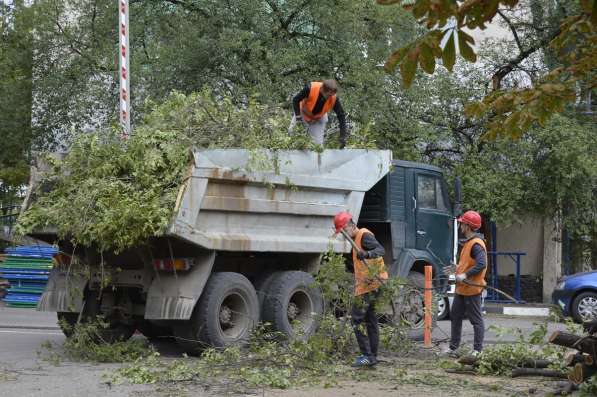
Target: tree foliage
x=513, y=111
x=15, y=101
x=123, y=192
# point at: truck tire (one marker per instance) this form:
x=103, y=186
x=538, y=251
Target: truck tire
x=409, y=309
x=67, y=322
x=293, y=296
x=225, y=314
x=116, y=329
x=262, y=283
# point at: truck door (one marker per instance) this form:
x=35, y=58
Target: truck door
x=433, y=218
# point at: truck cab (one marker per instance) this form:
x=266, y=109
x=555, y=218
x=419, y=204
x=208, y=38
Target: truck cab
x=409, y=211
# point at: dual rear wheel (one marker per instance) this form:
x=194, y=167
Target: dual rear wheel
x=230, y=307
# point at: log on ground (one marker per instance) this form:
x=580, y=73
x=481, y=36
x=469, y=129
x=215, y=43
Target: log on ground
x=516, y=372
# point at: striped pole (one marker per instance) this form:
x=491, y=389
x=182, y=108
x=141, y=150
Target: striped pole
x=125, y=103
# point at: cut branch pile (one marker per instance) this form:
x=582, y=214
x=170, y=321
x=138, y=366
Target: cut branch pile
x=583, y=365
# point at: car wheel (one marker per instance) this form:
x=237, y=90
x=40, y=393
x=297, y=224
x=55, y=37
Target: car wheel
x=584, y=307
x=443, y=308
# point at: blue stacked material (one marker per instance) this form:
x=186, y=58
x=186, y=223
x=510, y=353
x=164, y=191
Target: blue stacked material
x=27, y=269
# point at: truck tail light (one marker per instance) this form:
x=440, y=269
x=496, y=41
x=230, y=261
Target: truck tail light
x=171, y=264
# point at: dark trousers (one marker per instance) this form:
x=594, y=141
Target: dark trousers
x=363, y=314
x=471, y=305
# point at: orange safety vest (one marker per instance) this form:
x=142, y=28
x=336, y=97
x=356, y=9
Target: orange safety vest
x=367, y=276
x=465, y=263
x=308, y=104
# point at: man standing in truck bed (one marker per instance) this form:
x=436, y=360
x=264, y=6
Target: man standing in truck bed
x=369, y=273
x=311, y=107
x=470, y=279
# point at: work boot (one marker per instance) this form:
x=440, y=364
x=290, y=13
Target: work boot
x=449, y=352
x=362, y=361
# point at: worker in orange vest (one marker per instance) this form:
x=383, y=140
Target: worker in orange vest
x=470, y=280
x=311, y=107
x=369, y=274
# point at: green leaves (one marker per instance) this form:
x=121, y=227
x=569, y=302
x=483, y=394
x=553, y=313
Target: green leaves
x=422, y=53
x=426, y=50
x=395, y=59
x=575, y=43
x=115, y=195
x=449, y=53
x=465, y=43
x=408, y=67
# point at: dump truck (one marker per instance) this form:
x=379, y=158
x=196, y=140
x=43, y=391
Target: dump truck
x=246, y=239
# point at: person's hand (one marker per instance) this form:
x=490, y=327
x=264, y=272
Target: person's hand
x=448, y=269
x=460, y=277
x=362, y=255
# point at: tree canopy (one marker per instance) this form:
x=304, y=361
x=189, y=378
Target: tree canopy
x=571, y=42
x=249, y=55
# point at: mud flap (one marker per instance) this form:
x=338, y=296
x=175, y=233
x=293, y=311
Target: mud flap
x=173, y=297
x=63, y=293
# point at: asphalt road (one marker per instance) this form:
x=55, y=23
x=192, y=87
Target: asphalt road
x=24, y=373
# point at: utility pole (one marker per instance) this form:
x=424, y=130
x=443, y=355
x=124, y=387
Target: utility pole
x=125, y=97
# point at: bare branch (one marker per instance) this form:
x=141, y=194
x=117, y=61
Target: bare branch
x=505, y=69
x=512, y=29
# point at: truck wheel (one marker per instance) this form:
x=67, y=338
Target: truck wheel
x=443, y=308
x=409, y=307
x=293, y=304
x=120, y=325
x=67, y=322
x=225, y=315
x=262, y=283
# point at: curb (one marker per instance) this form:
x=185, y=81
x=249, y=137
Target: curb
x=521, y=311
x=39, y=327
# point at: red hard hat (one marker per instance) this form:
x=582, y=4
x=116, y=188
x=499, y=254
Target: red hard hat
x=341, y=219
x=471, y=218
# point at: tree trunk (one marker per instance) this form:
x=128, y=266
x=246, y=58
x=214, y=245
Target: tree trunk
x=585, y=344
x=516, y=372
x=581, y=372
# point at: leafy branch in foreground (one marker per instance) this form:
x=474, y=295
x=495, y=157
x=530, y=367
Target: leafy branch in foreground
x=511, y=112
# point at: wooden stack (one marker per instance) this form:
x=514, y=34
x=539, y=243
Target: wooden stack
x=583, y=364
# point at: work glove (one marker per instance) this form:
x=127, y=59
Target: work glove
x=293, y=122
x=362, y=255
x=449, y=269
x=460, y=277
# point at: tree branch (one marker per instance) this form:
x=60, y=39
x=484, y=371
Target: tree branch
x=293, y=15
x=184, y=4
x=505, y=69
x=512, y=29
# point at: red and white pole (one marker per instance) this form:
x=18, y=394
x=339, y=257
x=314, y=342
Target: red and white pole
x=125, y=99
